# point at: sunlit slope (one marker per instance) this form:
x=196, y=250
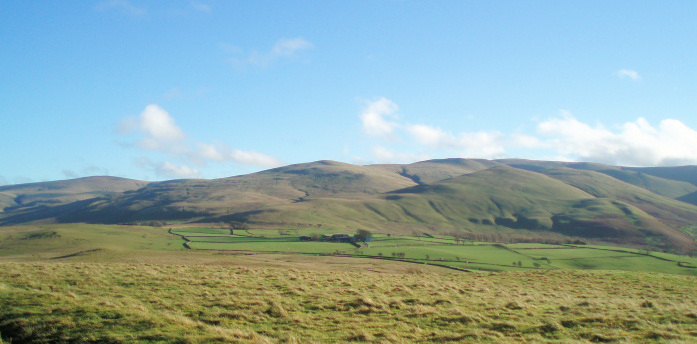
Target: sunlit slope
x=501, y=195
x=673, y=182
x=601, y=185
x=497, y=199
x=430, y=171
x=252, y=193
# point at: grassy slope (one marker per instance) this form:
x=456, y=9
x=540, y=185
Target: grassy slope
x=119, y=303
x=603, y=186
x=673, y=185
x=60, y=241
x=434, y=170
x=239, y=195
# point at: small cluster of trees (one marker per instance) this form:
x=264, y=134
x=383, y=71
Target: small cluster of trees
x=398, y=254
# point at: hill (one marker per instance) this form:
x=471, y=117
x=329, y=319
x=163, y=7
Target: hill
x=13, y=197
x=638, y=207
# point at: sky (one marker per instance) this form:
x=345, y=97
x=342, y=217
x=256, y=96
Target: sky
x=159, y=90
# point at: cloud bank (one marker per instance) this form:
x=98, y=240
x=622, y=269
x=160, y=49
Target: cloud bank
x=157, y=131
x=636, y=143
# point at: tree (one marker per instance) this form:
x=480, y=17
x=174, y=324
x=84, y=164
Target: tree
x=536, y=264
x=363, y=234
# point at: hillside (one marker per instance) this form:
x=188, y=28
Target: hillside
x=26, y=197
x=608, y=203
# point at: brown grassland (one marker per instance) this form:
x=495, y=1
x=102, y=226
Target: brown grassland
x=285, y=299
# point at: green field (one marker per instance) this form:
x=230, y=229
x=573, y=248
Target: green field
x=443, y=250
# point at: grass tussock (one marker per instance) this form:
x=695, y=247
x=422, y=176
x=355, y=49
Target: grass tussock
x=125, y=303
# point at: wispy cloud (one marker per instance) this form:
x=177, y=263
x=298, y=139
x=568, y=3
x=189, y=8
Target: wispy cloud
x=156, y=130
x=123, y=6
x=221, y=153
x=167, y=169
x=283, y=49
x=628, y=74
x=199, y=6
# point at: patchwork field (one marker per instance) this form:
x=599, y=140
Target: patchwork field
x=443, y=251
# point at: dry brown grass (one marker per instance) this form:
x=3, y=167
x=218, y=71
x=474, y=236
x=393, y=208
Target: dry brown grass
x=279, y=304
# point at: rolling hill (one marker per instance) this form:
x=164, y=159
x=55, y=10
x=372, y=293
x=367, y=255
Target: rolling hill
x=638, y=207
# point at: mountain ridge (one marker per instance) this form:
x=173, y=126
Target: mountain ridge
x=612, y=203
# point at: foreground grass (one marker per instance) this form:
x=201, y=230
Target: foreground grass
x=115, y=303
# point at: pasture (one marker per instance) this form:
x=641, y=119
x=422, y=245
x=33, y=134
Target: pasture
x=442, y=251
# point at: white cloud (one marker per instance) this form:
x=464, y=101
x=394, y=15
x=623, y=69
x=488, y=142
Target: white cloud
x=254, y=158
x=167, y=169
x=633, y=143
x=124, y=6
x=628, y=74
x=3, y=181
x=283, y=49
x=159, y=132
x=481, y=144
x=373, y=117
x=208, y=152
x=159, y=124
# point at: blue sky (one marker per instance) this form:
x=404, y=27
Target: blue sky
x=157, y=90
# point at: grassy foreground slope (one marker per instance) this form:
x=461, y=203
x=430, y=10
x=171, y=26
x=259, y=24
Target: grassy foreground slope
x=125, y=303
x=127, y=284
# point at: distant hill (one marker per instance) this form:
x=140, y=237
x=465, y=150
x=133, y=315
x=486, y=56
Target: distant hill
x=22, y=197
x=634, y=206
